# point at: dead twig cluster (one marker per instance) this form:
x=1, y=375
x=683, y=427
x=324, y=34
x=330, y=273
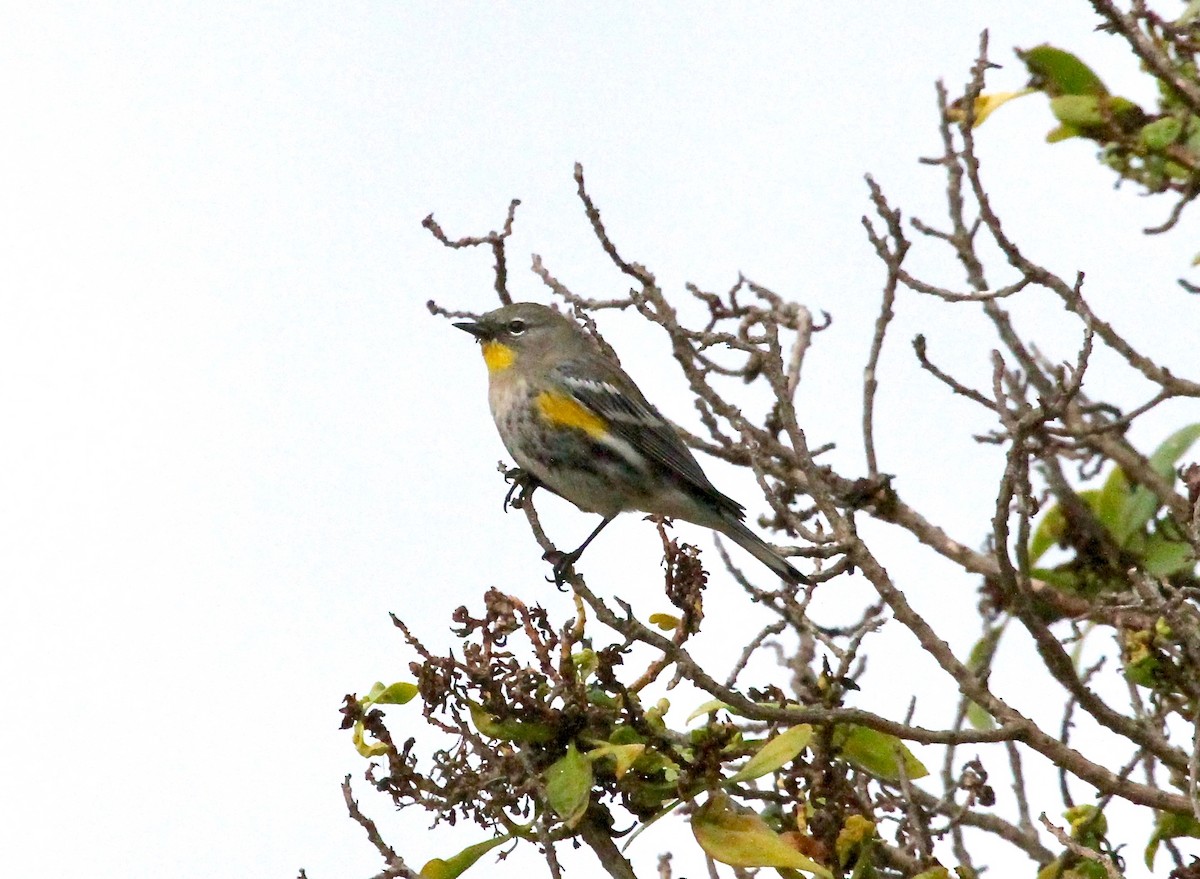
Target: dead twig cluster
x=527, y=702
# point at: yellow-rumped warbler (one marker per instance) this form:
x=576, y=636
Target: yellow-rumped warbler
x=578, y=424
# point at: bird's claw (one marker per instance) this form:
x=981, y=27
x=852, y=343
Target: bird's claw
x=561, y=563
x=523, y=485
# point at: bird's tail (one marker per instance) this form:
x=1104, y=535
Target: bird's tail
x=737, y=531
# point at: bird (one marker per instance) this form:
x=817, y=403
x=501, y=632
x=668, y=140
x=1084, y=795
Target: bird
x=576, y=423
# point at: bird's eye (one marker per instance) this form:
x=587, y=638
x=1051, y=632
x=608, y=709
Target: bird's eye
x=516, y=327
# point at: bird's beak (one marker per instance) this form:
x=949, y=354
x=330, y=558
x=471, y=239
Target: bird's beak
x=476, y=329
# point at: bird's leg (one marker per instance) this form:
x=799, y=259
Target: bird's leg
x=562, y=561
x=523, y=485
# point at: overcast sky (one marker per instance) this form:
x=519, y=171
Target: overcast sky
x=235, y=439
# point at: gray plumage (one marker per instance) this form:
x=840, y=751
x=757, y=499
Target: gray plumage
x=574, y=420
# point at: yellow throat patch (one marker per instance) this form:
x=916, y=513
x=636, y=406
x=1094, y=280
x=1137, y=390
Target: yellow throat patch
x=563, y=411
x=498, y=356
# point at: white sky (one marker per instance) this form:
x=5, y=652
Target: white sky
x=235, y=439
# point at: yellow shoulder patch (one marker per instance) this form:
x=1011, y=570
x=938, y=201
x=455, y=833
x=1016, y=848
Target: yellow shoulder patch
x=563, y=411
x=498, y=356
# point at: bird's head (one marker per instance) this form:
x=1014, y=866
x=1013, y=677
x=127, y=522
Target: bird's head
x=523, y=329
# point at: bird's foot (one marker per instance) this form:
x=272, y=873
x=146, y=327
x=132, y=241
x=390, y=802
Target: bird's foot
x=561, y=566
x=523, y=485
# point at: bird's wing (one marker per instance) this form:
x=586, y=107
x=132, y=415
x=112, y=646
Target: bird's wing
x=602, y=388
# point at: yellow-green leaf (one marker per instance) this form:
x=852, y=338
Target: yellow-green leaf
x=364, y=747
x=1111, y=499
x=1048, y=532
x=1077, y=111
x=508, y=730
x=853, y=834
x=979, y=717
x=569, y=785
x=455, y=866
x=1161, y=133
x=1089, y=113
x=1062, y=132
x=980, y=661
x=1169, y=826
x=586, y=662
x=665, y=621
x=656, y=712
x=598, y=697
x=876, y=752
x=393, y=694
x=1107, y=503
x=777, y=752
x=743, y=839
x=708, y=707
x=623, y=756
x=717, y=705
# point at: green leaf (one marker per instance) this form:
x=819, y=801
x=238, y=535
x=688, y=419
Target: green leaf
x=1161, y=133
x=1060, y=73
x=777, y=752
x=459, y=863
x=569, y=785
x=979, y=661
x=717, y=705
x=1173, y=448
x=1169, y=826
x=1192, y=133
x=394, y=694
x=979, y=717
x=508, y=730
x=1143, y=504
x=656, y=712
x=1111, y=500
x=1163, y=557
x=586, y=662
x=624, y=734
x=1078, y=111
x=980, y=658
x=1064, y=580
x=875, y=752
x=1107, y=503
x=601, y=699
x=708, y=707
x=743, y=839
x=1091, y=113
x=1062, y=132
x=1048, y=532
